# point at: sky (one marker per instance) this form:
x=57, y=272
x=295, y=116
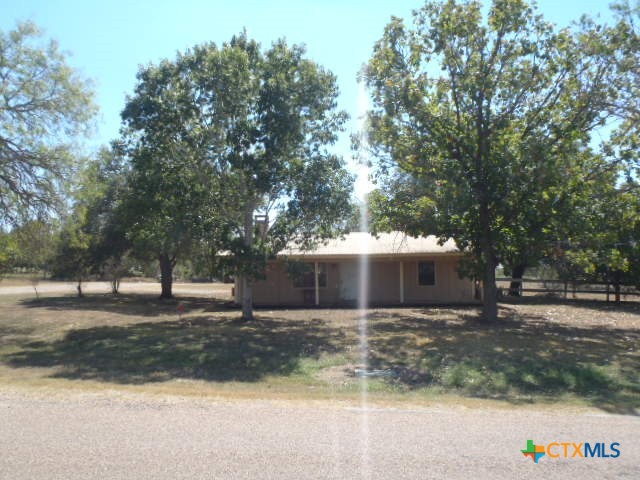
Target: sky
x=109, y=40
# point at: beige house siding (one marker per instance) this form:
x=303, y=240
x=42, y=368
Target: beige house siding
x=277, y=289
x=448, y=288
x=384, y=288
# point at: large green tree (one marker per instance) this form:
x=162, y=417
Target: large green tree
x=172, y=200
x=254, y=126
x=166, y=209
x=479, y=111
x=44, y=103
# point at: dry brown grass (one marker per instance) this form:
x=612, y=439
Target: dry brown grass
x=542, y=351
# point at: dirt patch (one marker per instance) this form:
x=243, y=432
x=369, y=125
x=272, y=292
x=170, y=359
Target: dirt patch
x=579, y=313
x=341, y=375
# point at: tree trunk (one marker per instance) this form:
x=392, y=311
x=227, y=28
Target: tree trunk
x=79, y=287
x=115, y=285
x=166, y=275
x=247, y=284
x=483, y=192
x=515, y=288
x=245, y=277
x=247, y=299
x=616, y=285
x=490, y=292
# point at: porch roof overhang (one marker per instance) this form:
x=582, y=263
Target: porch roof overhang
x=384, y=246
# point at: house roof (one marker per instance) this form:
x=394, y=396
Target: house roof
x=384, y=244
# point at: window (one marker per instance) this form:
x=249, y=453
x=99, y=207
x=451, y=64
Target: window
x=426, y=273
x=306, y=277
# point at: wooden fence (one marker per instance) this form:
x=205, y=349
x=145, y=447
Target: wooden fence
x=565, y=289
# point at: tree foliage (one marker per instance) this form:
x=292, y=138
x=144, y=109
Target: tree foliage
x=169, y=202
x=8, y=252
x=487, y=116
x=92, y=239
x=239, y=131
x=44, y=103
x=603, y=244
x=35, y=243
x=72, y=258
x=624, y=143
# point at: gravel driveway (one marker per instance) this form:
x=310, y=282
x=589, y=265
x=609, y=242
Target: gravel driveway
x=113, y=435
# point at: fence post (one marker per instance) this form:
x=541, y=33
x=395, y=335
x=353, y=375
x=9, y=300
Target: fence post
x=607, y=292
x=565, y=289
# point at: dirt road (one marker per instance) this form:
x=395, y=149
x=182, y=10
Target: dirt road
x=47, y=288
x=113, y=436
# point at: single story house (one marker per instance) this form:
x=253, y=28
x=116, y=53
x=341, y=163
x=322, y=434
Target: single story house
x=401, y=270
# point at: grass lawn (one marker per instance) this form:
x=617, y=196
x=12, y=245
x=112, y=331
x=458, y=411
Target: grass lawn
x=541, y=352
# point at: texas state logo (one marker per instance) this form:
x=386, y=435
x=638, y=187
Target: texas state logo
x=535, y=452
x=573, y=450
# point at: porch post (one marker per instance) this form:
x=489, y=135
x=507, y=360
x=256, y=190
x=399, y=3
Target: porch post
x=401, y=281
x=315, y=273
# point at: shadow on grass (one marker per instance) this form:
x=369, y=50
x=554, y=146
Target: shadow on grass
x=519, y=361
x=140, y=305
x=215, y=350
